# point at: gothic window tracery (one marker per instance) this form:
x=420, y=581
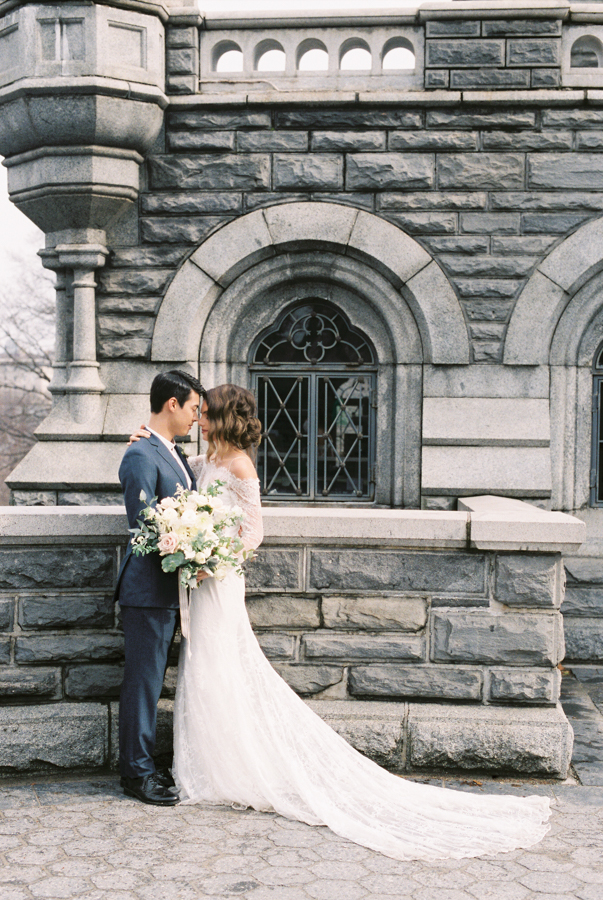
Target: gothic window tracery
x=315, y=379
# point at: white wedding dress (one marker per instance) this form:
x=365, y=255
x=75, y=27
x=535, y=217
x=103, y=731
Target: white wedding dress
x=242, y=736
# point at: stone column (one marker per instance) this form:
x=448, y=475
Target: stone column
x=83, y=383
x=63, y=324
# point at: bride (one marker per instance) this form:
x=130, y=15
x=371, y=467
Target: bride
x=243, y=737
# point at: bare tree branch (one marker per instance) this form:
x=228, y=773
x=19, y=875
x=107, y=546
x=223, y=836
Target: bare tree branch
x=27, y=313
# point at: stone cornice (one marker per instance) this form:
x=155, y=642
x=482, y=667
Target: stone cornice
x=143, y=6
x=548, y=97
x=81, y=85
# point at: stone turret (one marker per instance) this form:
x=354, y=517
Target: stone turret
x=81, y=101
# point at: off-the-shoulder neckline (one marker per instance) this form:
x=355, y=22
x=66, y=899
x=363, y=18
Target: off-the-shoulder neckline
x=207, y=462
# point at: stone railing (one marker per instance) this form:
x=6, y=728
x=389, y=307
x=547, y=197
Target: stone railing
x=459, y=46
x=374, y=36
x=429, y=639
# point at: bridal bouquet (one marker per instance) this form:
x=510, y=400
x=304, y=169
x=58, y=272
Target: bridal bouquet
x=189, y=531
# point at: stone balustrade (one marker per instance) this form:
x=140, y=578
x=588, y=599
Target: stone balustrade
x=429, y=639
x=465, y=47
x=248, y=47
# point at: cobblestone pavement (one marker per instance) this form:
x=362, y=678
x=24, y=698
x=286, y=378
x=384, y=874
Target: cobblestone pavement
x=82, y=838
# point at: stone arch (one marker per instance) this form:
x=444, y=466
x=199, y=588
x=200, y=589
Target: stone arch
x=578, y=334
x=579, y=330
x=550, y=300
x=345, y=231
x=558, y=321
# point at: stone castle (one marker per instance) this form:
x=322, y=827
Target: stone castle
x=404, y=259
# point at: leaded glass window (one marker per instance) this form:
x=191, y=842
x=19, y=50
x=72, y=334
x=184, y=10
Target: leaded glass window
x=315, y=380
x=596, y=470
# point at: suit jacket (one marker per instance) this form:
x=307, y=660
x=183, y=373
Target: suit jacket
x=150, y=467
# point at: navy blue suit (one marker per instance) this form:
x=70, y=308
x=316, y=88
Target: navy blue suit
x=149, y=601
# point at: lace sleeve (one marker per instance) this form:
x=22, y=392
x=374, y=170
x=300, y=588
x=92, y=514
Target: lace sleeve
x=247, y=491
x=196, y=463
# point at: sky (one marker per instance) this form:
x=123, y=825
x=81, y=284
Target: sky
x=20, y=239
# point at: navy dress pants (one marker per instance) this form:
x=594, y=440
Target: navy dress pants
x=148, y=632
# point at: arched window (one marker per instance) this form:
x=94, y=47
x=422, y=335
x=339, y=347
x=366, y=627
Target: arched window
x=398, y=53
x=596, y=468
x=227, y=57
x=586, y=53
x=315, y=379
x=312, y=56
x=355, y=54
x=269, y=56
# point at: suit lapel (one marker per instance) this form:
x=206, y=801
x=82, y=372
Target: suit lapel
x=185, y=462
x=165, y=454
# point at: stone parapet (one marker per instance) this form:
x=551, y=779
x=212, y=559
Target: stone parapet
x=354, y=609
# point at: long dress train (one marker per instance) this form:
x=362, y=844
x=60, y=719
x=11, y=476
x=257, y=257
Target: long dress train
x=242, y=736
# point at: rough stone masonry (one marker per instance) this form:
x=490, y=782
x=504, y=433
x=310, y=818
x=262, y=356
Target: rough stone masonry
x=451, y=206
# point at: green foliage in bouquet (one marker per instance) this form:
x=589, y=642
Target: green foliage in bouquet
x=192, y=532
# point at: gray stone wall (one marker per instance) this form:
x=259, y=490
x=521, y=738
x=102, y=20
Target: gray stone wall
x=356, y=624
x=583, y=612
x=487, y=155
x=369, y=628
x=487, y=190
x=493, y=53
x=400, y=625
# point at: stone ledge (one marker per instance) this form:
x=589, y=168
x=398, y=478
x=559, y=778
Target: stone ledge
x=50, y=522
x=83, y=85
x=495, y=9
x=539, y=97
x=63, y=735
x=373, y=728
x=401, y=527
x=526, y=97
x=483, y=522
x=403, y=737
x=63, y=465
x=535, y=741
x=502, y=523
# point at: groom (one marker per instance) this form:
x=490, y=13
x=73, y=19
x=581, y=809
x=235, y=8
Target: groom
x=149, y=596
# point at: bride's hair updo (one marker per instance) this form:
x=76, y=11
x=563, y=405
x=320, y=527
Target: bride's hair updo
x=231, y=413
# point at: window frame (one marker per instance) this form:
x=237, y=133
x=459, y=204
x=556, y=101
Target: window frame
x=317, y=375
x=596, y=466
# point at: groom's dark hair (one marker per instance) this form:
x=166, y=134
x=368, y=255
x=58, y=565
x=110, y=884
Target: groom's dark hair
x=173, y=384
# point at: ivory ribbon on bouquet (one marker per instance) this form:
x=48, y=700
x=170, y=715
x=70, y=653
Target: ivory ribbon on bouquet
x=184, y=595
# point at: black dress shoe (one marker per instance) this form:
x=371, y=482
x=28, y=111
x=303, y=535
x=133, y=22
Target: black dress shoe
x=164, y=777
x=148, y=789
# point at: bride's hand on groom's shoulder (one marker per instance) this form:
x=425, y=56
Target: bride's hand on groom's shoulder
x=142, y=432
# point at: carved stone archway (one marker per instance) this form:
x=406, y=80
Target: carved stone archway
x=343, y=230
x=550, y=289
x=239, y=280
x=558, y=322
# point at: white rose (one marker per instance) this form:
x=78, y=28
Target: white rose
x=188, y=518
x=169, y=515
x=168, y=503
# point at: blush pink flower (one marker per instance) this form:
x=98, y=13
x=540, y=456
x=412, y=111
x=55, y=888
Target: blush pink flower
x=168, y=544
